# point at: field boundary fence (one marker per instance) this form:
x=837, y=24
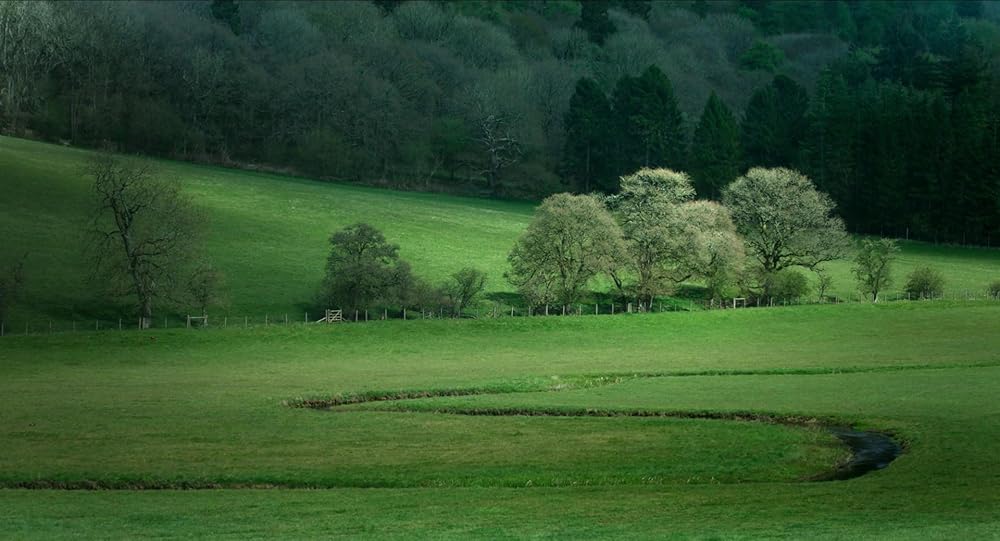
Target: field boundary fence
x=485, y=310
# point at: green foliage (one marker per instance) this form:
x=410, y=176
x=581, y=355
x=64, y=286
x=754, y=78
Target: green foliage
x=647, y=209
x=873, y=265
x=784, y=220
x=594, y=20
x=994, y=289
x=465, y=286
x=762, y=56
x=774, y=124
x=670, y=238
x=571, y=239
x=588, y=157
x=651, y=125
x=364, y=270
x=924, y=283
x=275, y=270
x=785, y=285
x=715, y=149
x=390, y=94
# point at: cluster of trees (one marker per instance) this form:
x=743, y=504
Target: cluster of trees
x=873, y=270
x=146, y=244
x=653, y=235
x=364, y=271
x=892, y=107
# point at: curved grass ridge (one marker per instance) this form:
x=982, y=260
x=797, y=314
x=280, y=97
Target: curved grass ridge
x=586, y=381
x=882, y=447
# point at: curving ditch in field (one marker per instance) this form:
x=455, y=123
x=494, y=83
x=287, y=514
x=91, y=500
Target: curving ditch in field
x=870, y=450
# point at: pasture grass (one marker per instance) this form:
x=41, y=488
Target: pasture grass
x=268, y=235
x=210, y=407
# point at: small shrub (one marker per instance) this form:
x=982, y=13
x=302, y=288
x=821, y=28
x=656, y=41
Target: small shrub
x=786, y=284
x=924, y=283
x=994, y=289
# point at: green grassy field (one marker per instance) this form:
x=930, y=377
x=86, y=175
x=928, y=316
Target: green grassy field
x=193, y=433
x=201, y=408
x=269, y=234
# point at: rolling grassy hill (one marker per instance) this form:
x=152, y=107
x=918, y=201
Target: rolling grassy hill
x=173, y=409
x=178, y=409
x=268, y=234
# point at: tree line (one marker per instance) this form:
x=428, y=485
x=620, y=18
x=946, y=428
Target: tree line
x=145, y=243
x=891, y=107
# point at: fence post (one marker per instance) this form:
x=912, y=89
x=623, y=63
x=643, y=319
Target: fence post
x=511, y=311
x=366, y=315
x=404, y=314
x=119, y=324
x=612, y=308
x=225, y=322
x=245, y=321
x=267, y=320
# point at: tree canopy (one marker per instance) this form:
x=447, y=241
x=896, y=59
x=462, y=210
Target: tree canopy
x=890, y=106
x=784, y=220
x=571, y=239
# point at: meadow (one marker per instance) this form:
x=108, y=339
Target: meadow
x=174, y=410
x=268, y=234
x=501, y=428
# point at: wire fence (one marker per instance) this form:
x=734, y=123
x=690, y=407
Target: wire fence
x=482, y=311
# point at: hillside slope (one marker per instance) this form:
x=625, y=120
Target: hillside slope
x=269, y=234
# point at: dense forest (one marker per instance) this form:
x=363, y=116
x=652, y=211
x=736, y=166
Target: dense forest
x=893, y=108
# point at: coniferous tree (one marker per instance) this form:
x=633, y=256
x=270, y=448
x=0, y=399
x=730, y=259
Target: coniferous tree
x=650, y=123
x=774, y=124
x=587, y=156
x=715, y=149
x=829, y=148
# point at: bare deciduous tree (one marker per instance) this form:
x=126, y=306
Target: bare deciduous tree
x=205, y=287
x=145, y=232
x=11, y=285
x=502, y=147
x=464, y=287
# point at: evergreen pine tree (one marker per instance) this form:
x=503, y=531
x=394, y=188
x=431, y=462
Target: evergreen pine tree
x=650, y=123
x=830, y=146
x=774, y=124
x=715, y=149
x=587, y=156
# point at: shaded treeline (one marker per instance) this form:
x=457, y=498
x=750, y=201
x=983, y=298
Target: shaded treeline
x=891, y=107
